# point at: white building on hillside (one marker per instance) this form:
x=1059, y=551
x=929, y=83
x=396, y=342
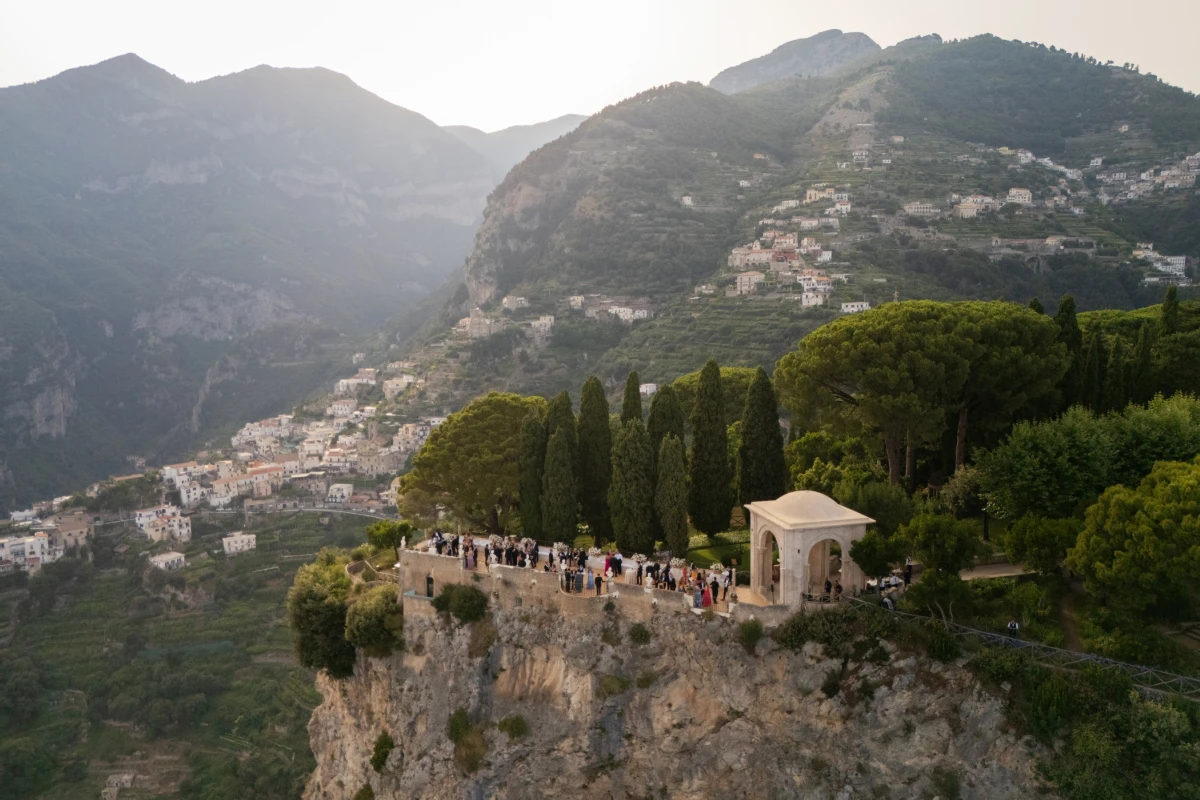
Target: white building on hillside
x=855, y=307
x=339, y=493
x=168, y=561
x=747, y=282
x=239, y=542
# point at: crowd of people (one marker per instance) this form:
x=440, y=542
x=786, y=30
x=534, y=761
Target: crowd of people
x=584, y=573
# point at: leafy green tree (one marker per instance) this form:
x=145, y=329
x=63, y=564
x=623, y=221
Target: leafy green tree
x=1013, y=357
x=471, y=462
x=1048, y=468
x=26, y=767
x=962, y=494
x=560, y=416
x=375, y=622
x=761, y=469
x=1140, y=547
x=386, y=534
x=666, y=418
x=384, y=745
x=942, y=542
x=735, y=381
x=889, y=505
x=1070, y=335
x=558, y=491
x=671, y=495
x=316, y=607
x=1091, y=382
x=1114, y=395
x=1141, y=367
x=595, y=460
x=631, y=495
x=1058, y=467
x=1168, y=319
x=709, y=500
x=1037, y=306
x=876, y=553
x=631, y=403
x=1041, y=544
x=894, y=370
x=532, y=467
x=465, y=602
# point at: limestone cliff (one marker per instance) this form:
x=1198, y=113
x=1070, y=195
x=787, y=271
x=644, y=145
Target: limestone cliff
x=689, y=715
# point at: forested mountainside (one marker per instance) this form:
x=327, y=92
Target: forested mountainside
x=176, y=256
x=641, y=206
x=821, y=54
x=506, y=147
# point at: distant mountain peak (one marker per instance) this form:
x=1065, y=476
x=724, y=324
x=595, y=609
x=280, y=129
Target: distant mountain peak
x=819, y=54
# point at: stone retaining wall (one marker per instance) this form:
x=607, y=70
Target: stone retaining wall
x=516, y=587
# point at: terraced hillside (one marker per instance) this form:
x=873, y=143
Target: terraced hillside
x=644, y=202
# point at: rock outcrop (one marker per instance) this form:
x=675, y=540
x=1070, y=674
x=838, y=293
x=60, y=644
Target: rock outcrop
x=691, y=714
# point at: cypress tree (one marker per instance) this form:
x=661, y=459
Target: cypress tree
x=533, y=462
x=666, y=418
x=1037, y=306
x=631, y=495
x=1069, y=334
x=595, y=460
x=709, y=501
x=671, y=495
x=1141, y=368
x=1169, y=319
x=559, y=416
x=1115, y=387
x=1091, y=381
x=558, y=490
x=631, y=404
x=761, y=468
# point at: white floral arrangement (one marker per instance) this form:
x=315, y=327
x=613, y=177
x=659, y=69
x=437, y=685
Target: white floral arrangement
x=717, y=566
x=678, y=562
x=639, y=558
x=561, y=547
x=595, y=551
x=526, y=543
x=496, y=540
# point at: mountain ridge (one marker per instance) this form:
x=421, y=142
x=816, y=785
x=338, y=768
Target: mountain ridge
x=814, y=56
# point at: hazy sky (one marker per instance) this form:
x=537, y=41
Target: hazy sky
x=494, y=63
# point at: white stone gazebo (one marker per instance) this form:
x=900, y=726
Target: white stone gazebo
x=803, y=525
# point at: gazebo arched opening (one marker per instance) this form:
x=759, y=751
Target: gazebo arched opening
x=824, y=565
x=768, y=562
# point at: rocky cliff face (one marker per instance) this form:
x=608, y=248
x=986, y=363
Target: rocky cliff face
x=689, y=715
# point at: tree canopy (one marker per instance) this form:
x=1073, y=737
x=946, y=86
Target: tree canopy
x=1058, y=467
x=666, y=417
x=595, y=460
x=631, y=495
x=316, y=607
x=761, y=470
x=471, y=462
x=558, y=491
x=734, y=383
x=631, y=403
x=1140, y=546
x=709, y=498
x=671, y=495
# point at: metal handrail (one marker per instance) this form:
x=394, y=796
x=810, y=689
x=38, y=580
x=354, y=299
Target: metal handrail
x=1148, y=678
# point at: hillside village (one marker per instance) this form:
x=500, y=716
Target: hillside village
x=780, y=261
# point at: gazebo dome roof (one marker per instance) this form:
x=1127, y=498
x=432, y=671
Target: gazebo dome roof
x=807, y=509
